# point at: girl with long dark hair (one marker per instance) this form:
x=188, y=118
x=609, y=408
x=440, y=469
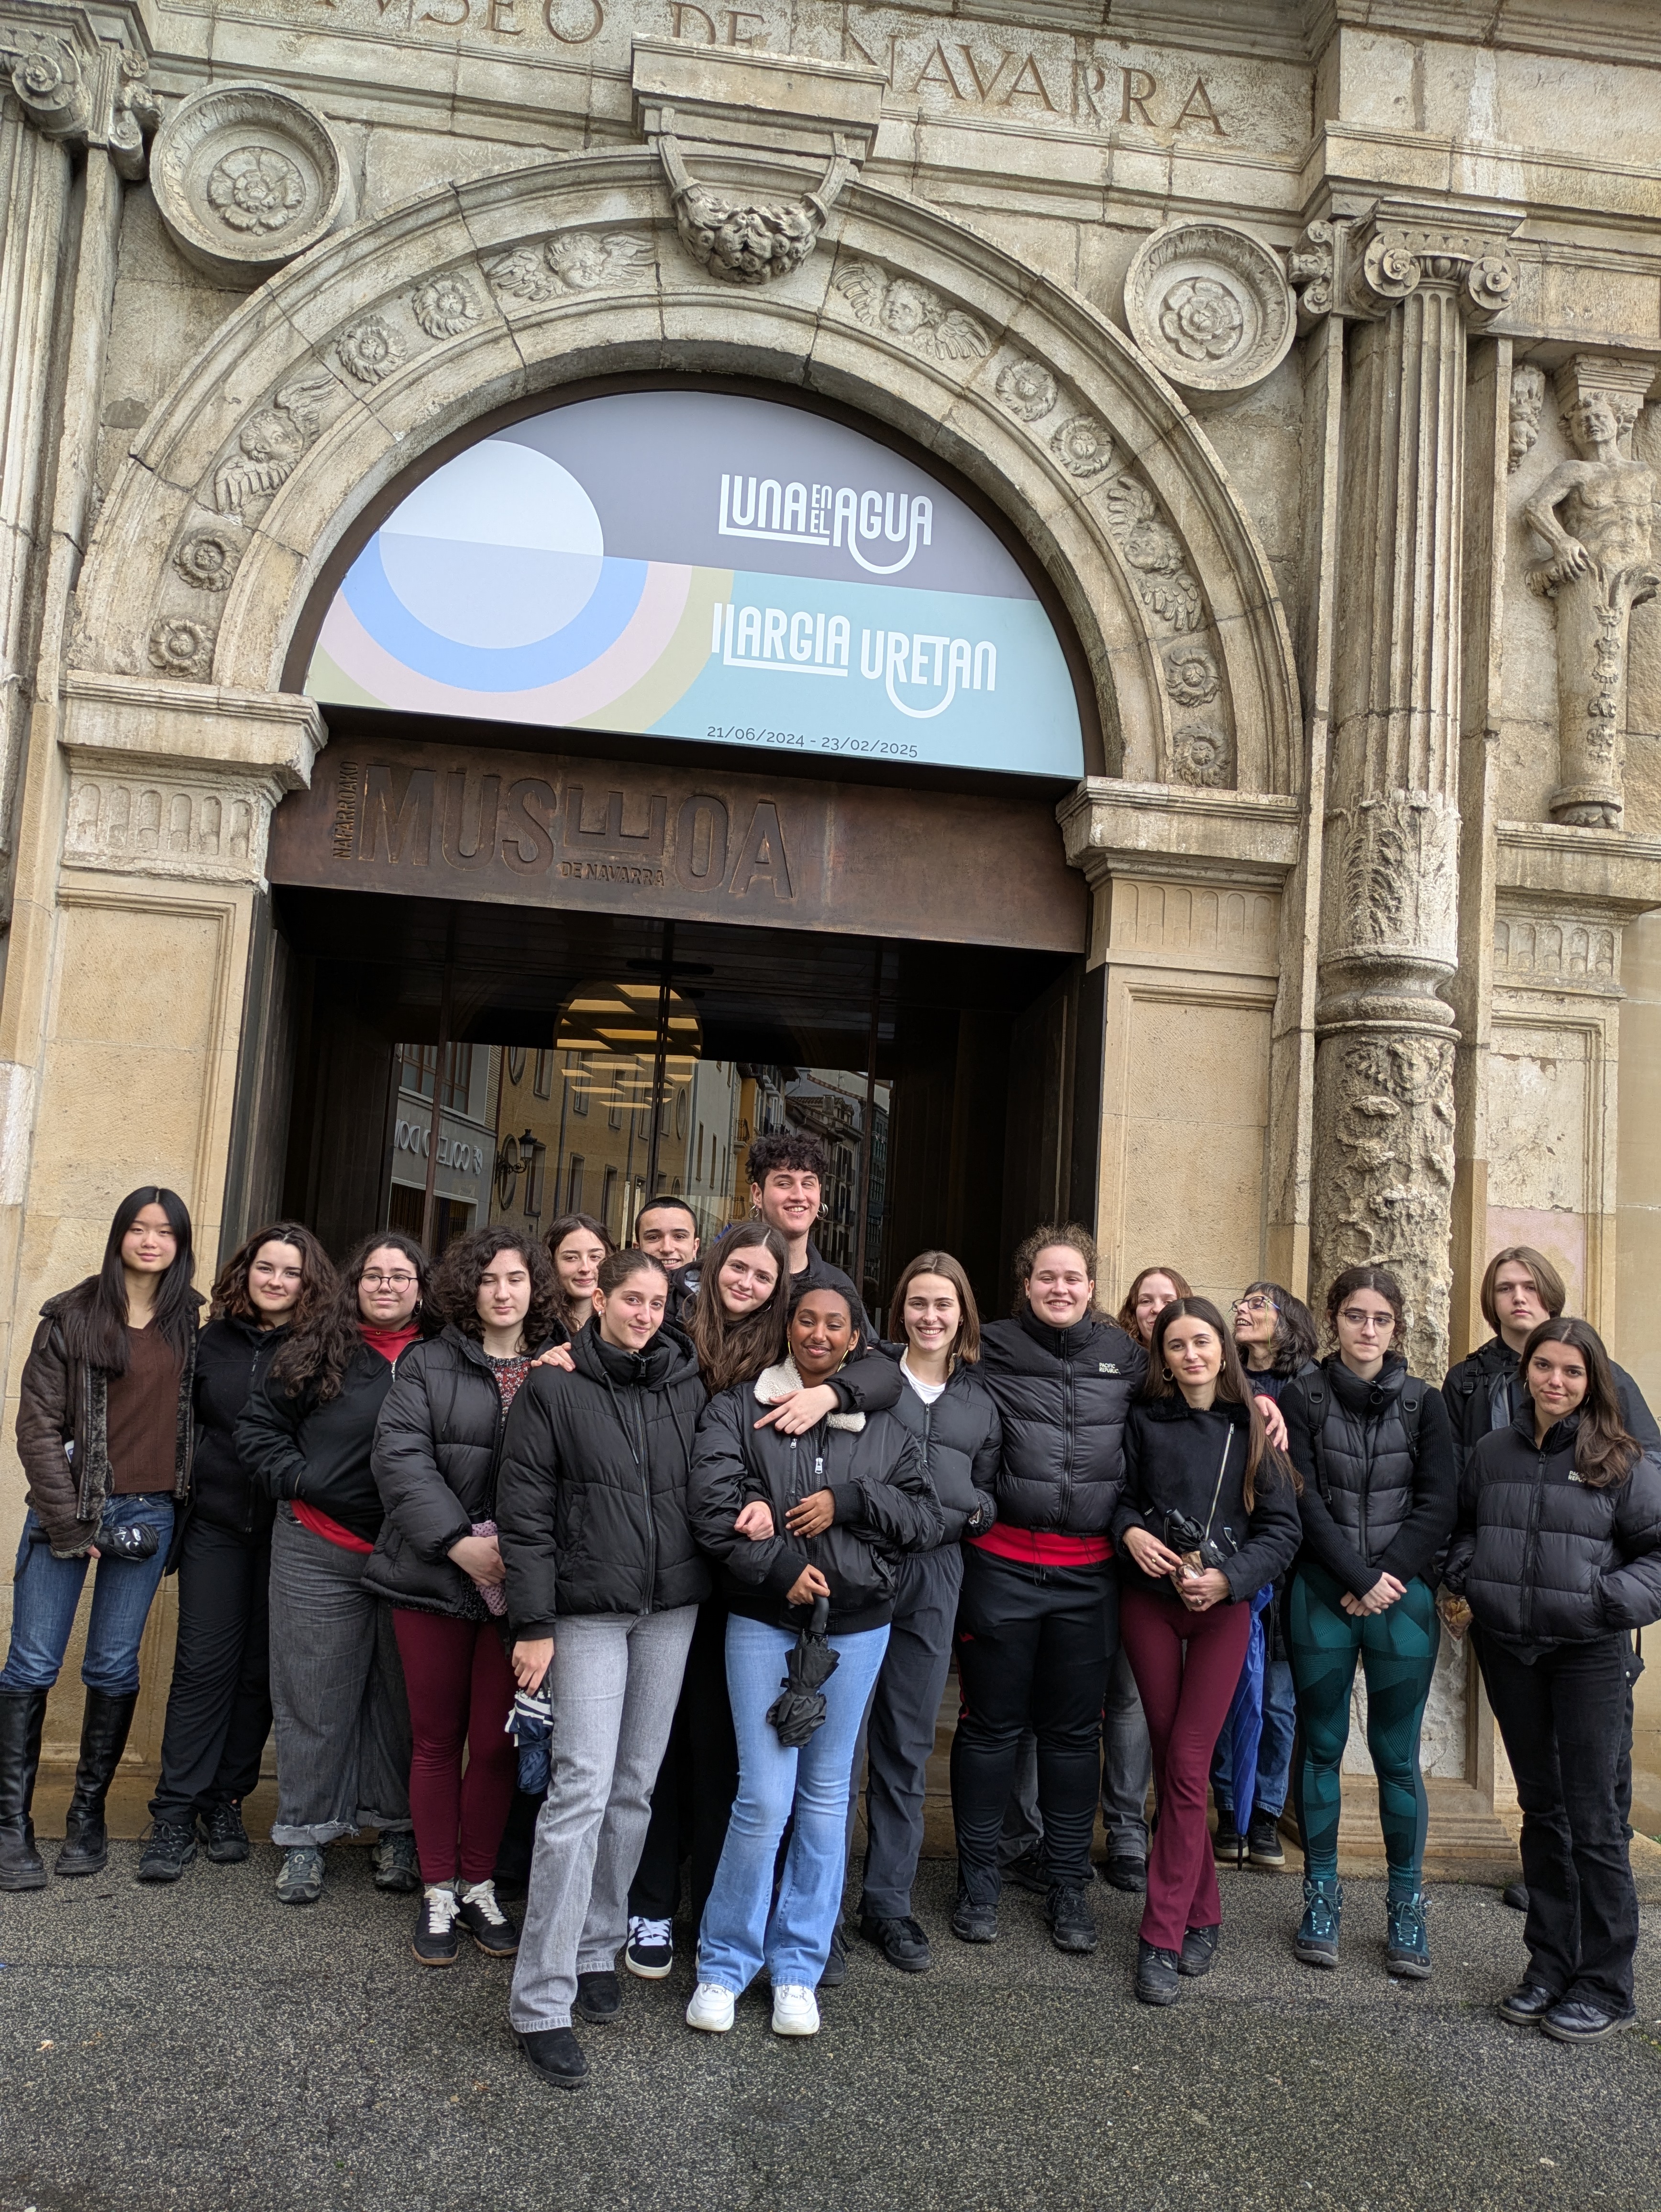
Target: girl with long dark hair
x=219, y=1705
x=736, y=1329
x=105, y=1434
x=1558, y=1556
x=1373, y=1444
x=343, y=1723
x=576, y=1243
x=438, y=1564
x=1207, y=1516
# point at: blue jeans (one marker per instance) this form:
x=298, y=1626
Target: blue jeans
x=1274, y=1753
x=740, y=1933
x=47, y=1591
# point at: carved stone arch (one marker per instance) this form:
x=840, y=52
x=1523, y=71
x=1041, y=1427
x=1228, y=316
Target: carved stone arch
x=341, y=371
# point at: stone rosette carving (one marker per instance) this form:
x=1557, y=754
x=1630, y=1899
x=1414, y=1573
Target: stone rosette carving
x=1190, y=674
x=918, y=317
x=246, y=177
x=178, y=648
x=445, y=306
x=1209, y=305
x=1027, y=389
x=1084, y=447
x=573, y=262
x=207, y=560
x=369, y=350
x=270, y=443
x=1200, y=755
x=1528, y=400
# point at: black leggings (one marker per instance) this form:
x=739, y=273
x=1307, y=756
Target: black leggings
x=1034, y=1645
x=219, y=1707
x=697, y=1782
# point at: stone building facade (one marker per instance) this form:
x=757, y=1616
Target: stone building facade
x=1309, y=349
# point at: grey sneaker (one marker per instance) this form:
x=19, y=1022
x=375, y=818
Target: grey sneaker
x=299, y=1877
x=395, y=1864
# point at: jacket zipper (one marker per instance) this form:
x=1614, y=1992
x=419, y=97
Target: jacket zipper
x=247, y=1521
x=638, y=1401
x=1531, y=1548
x=1068, y=1426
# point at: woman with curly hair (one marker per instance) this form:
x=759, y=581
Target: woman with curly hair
x=219, y=1705
x=437, y=1447
x=343, y=1723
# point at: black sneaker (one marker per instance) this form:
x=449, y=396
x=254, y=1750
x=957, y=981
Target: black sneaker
x=556, y=2054
x=1156, y=1973
x=1127, y=1873
x=597, y=1998
x=485, y=1921
x=171, y=1849
x=901, y=1941
x=1199, y=1949
x=1586, y=2020
x=396, y=1867
x=1071, y=1928
x=836, y=1963
x=1527, y=2005
x=1263, y=1845
x=1515, y=1894
x=1029, y=1872
x=436, y=1941
x=972, y=1923
x=650, y=1950
x=1227, y=1844
x=224, y=1837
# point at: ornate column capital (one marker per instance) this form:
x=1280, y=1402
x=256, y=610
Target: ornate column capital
x=1363, y=267
x=79, y=70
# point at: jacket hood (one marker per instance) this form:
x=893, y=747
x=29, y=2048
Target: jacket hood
x=1359, y=1396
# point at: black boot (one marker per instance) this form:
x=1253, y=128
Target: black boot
x=103, y=1739
x=22, y=1712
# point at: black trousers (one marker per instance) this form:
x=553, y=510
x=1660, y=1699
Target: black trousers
x=1034, y=1645
x=692, y=1800
x=219, y=1705
x=1566, y=1720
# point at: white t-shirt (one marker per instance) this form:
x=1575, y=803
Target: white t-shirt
x=926, y=1391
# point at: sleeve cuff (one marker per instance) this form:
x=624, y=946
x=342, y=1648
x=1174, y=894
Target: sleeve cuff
x=847, y=1501
x=785, y=1572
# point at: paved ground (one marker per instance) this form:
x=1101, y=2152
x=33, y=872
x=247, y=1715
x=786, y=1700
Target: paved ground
x=205, y=2047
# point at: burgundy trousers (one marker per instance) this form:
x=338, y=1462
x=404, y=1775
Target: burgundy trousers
x=461, y=1692
x=1186, y=1667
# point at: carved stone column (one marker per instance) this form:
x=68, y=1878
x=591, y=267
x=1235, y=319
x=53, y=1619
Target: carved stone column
x=1384, y=1070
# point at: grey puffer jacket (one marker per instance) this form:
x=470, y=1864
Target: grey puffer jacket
x=961, y=1437
x=1541, y=1557
x=1374, y=1500
x=1062, y=1396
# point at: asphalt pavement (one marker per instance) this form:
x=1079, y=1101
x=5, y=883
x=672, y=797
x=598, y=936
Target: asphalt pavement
x=203, y=2046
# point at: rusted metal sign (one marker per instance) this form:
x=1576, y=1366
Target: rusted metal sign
x=435, y=821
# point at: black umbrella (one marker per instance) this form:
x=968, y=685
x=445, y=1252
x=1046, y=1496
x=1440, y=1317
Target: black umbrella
x=799, y=1709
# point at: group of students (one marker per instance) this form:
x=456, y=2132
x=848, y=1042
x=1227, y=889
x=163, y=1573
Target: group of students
x=631, y=1494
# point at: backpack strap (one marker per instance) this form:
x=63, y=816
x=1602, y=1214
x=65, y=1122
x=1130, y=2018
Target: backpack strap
x=1413, y=1404
x=1315, y=1397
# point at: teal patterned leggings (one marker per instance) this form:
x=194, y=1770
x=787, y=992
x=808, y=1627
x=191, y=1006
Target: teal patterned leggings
x=1397, y=1653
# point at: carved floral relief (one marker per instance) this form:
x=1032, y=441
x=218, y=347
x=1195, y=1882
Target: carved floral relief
x=1210, y=306
x=246, y=177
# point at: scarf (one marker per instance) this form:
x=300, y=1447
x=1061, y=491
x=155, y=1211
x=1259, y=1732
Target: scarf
x=776, y=1382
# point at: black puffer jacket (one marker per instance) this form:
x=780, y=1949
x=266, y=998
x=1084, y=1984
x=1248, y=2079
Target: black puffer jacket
x=1062, y=1396
x=885, y=1506
x=1177, y=1460
x=962, y=1438
x=437, y=1447
x=1372, y=1504
x=591, y=1493
x=866, y=1383
x=1482, y=1392
x=318, y=1451
x=1542, y=1559
x=232, y=1356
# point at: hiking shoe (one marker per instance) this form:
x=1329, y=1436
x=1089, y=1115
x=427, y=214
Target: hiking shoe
x=556, y=2054
x=1128, y=1874
x=1071, y=1928
x=224, y=1837
x=1407, y=1944
x=597, y=1998
x=170, y=1850
x=1515, y=1894
x=1263, y=1845
x=1227, y=1843
x=299, y=1877
x=711, y=2008
x=485, y=1922
x=1156, y=1973
x=795, y=2010
x=435, y=1941
x=901, y=1941
x=972, y=1923
x=1317, y=1941
x=1199, y=1949
x=835, y=1961
x=1527, y=2005
x=1586, y=2020
x=650, y=1950
x=395, y=1864
x=1029, y=1872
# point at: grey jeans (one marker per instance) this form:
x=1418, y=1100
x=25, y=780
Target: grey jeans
x=339, y=1706
x=615, y=1680
x=1127, y=1770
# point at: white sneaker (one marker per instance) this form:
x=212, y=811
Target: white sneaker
x=711, y=2008
x=795, y=2010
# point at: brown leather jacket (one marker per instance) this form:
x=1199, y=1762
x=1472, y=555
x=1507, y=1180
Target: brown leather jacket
x=62, y=1433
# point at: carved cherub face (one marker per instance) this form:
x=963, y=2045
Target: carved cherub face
x=905, y=310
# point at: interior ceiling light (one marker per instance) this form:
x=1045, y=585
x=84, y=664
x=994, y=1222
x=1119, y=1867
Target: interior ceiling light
x=615, y=1027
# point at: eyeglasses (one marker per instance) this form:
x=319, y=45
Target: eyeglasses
x=1357, y=1319
x=1256, y=1306
x=378, y=1282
